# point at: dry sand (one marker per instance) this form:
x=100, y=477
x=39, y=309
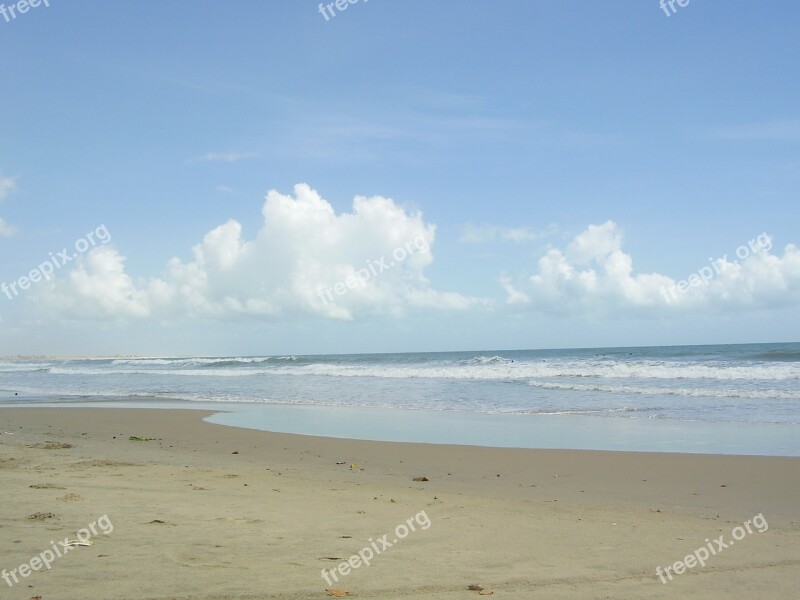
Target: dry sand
x=206, y=511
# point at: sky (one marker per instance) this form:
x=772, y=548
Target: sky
x=202, y=178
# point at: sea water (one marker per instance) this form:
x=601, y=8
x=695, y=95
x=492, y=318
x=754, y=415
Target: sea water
x=724, y=398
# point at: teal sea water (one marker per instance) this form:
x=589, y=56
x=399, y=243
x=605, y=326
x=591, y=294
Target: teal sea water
x=725, y=398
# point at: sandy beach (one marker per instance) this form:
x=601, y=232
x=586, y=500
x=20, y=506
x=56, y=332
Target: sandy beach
x=204, y=511
x=394, y=300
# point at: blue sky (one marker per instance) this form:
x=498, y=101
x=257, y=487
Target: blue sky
x=564, y=163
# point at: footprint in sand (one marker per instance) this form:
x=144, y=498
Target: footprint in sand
x=102, y=463
x=41, y=516
x=199, y=557
x=70, y=498
x=51, y=446
x=241, y=521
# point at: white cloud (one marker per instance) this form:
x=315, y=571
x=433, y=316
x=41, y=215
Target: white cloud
x=786, y=130
x=514, y=296
x=478, y=234
x=228, y=157
x=593, y=276
x=302, y=248
x=99, y=284
x=597, y=242
x=6, y=230
x=7, y=185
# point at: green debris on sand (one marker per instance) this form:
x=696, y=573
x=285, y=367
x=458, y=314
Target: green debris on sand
x=136, y=438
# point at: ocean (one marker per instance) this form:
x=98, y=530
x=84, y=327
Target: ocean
x=675, y=398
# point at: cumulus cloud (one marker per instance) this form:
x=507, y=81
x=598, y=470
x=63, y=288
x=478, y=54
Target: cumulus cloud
x=478, y=234
x=7, y=185
x=299, y=261
x=594, y=276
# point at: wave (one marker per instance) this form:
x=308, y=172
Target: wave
x=205, y=372
x=97, y=396
x=665, y=391
x=202, y=362
x=31, y=369
x=12, y=366
x=588, y=411
x=147, y=361
x=488, y=370
x=555, y=369
x=779, y=356
x=486, y=360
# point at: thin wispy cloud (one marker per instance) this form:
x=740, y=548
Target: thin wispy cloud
x=484, y=233
x=7, y=185
x=225, y=157
x=6, y=230
x=363, y=136
x=783, y=130
x=447, y=100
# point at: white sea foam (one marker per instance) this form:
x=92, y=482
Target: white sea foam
x=662, y=391
x=193, y=362
x=489, y=370
x=100, y=371
x=529, y=370
x=650, y=384
x=486, y=360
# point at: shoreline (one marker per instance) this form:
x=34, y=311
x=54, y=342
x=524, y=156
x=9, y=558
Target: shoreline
x=603, y=467
x=208, y=511
x=469, y=428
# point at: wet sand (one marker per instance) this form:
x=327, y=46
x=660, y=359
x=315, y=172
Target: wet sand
x=206, y=511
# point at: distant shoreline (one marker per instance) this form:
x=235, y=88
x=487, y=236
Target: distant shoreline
x=388, y=352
